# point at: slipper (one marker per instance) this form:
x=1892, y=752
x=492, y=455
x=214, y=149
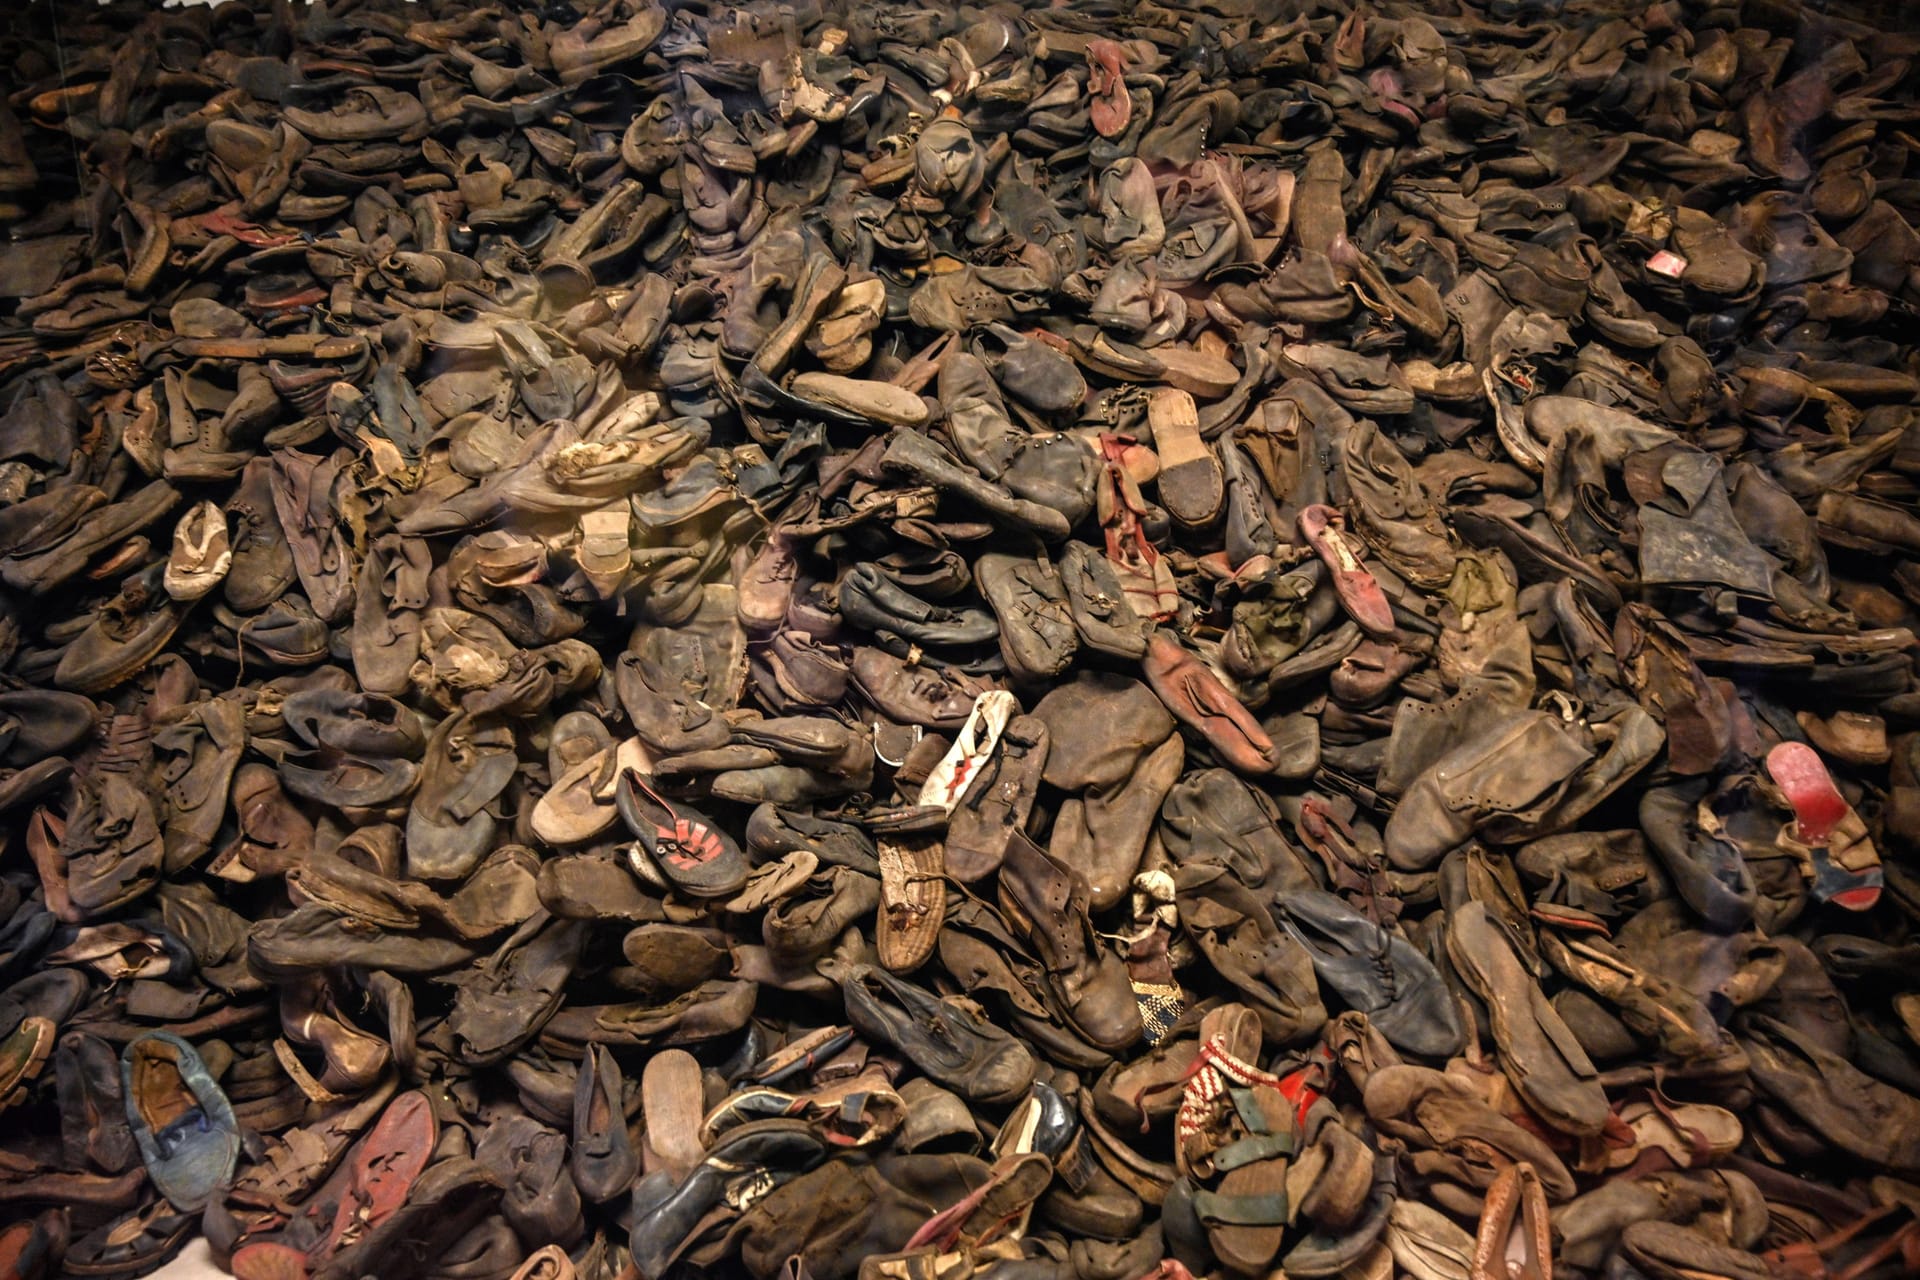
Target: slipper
x=1324, y=528
x=299, y=1158
x=604, y=1161
x=996, y=1209
x=381, y=1173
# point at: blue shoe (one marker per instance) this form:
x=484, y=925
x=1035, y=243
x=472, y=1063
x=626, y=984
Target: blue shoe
x=181, y=1120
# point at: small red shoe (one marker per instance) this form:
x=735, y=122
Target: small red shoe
x=1325, y=531
x=1826, y=833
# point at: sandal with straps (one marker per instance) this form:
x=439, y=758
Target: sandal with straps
x=1828, y=837
x=1234, y=1135
x=1814, y=1260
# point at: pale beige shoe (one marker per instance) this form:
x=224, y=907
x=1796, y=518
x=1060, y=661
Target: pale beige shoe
x=1691, y=1133
x=880, y=402
x=605, y=551
x=580, y=804
x=202, y=553
x=842, y=339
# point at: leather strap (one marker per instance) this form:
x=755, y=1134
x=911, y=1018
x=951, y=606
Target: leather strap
x=302, y=1078
x=1252, y=1118
x=1266, y=1146
x=1268, y=1210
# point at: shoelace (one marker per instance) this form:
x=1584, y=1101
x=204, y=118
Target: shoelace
x=1384, y=970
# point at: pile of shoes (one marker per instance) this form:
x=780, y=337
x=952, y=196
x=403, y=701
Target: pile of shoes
x=1070, y=641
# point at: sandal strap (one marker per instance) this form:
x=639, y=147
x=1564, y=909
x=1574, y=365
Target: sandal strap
x=1216, y=1210
x=1252, y=1118
x=1266, y=1146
